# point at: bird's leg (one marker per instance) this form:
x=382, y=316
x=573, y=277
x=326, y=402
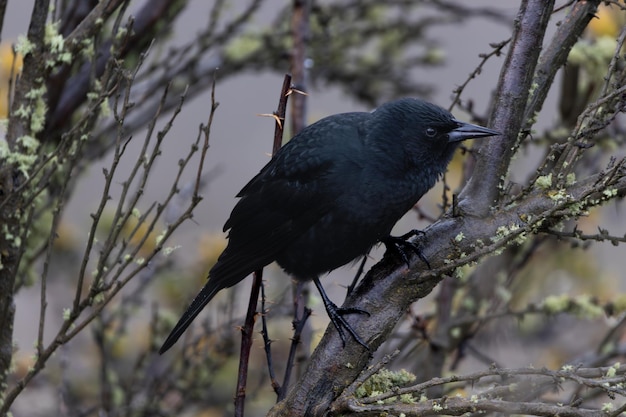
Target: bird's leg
x=401, y=245
x=336, y=316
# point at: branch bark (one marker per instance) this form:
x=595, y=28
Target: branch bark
x=493, y=155
x=10, y=177
x=555, y=55
x=480, y=283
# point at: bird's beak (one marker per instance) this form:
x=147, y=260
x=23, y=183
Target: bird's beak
x=469, y=131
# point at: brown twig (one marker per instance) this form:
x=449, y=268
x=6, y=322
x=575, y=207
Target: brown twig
x=299, y=321
x=248, y=328
x=280, y=113
x=207, y=133
x=497, y=51
x=246, y=343
x=357, y=276
x=267, y=342
x=300, y=36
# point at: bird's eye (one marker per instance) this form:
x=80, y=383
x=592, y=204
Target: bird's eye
x=431, y=132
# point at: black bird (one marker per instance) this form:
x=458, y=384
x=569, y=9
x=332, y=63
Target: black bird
x=332, y=192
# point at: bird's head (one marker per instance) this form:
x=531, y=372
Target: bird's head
x=428, y=133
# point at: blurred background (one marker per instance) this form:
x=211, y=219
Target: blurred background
x=240, y=144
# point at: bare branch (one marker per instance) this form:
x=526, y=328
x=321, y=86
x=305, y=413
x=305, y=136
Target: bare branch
x=494, y=154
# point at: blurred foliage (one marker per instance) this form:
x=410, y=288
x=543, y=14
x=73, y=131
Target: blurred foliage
x=10, y=66
x=584, y=76
x=608, y=22
x=369, y=50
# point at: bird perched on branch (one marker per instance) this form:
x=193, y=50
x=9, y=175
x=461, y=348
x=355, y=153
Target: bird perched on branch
x=331, y=193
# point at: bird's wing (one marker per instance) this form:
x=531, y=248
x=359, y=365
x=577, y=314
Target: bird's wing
x=276, y=207
x=290, y=194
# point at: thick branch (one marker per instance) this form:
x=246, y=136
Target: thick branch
x=10, y=249
x=494, y=155
x=555, y=55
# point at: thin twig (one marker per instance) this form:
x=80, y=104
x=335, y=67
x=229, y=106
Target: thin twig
x=207, y=133
x=358, y=274
x=298, y=327
x=246, y=344
x=280, y=113
x=497, y=51
x=248, y=329
x=267, y=342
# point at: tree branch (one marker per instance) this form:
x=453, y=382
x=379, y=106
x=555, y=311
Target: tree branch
x=493, y=155
x=555, y=55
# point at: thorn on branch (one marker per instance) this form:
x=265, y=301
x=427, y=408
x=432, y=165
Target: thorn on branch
x=293, y=90
x=277, y=119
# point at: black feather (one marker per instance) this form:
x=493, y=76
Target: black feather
x=332, y=192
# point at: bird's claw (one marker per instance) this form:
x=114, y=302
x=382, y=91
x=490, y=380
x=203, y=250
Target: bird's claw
x=336, y=317
x=401, y=245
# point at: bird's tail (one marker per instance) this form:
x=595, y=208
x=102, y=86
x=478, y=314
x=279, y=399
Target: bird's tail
x=202, y=299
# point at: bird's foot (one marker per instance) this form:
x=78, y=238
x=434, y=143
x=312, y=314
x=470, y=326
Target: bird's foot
x=336, y=317
x=401, y=246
